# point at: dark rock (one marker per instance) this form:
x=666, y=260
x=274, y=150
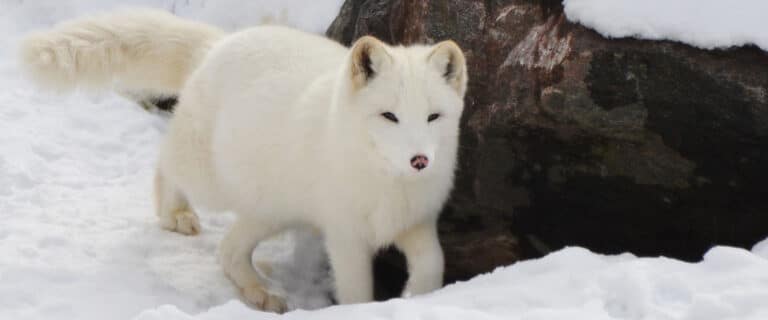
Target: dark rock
x=569, y=138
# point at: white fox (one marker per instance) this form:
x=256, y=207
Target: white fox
x=284, y=128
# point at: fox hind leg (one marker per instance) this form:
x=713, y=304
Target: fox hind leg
x=235, y=254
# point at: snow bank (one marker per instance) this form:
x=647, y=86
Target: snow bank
x=573, y=283
x=706, y=24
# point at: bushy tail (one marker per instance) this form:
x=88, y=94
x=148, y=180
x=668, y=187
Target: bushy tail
x=136, y=50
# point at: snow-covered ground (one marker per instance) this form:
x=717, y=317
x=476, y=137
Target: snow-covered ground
x=79, y=240
x=705, y=24
x=570, y=284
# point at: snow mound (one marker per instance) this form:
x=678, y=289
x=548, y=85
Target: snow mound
x=573, y=283
x=761, y=249
x=706, y=24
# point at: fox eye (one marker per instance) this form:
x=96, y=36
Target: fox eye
x=433, y=117
x=390, y=116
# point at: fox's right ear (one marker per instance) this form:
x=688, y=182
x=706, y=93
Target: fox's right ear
x=368, y=57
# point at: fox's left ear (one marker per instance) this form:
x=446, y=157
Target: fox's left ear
x=447, y=57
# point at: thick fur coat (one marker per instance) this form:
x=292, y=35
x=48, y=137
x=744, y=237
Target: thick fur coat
x=284, y=128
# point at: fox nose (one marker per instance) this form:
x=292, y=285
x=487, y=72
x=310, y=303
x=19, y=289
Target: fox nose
x=419, y=162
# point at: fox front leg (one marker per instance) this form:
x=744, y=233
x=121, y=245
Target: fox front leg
x=424, y=257
x=351, y=262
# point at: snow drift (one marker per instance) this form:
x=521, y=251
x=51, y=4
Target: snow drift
x=572, y=283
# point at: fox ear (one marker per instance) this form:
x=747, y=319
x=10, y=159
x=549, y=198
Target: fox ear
x=368, y=57
x=448, y=59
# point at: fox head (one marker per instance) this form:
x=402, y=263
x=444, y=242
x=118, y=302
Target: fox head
x=408, y=101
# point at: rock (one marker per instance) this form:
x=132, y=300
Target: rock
x=569, y=138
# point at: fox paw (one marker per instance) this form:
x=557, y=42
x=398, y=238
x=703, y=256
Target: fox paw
x=183, y=221
x=261, y=299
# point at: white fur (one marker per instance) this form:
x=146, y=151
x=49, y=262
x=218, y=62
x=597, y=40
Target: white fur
x=285, y=128
x=140, y=49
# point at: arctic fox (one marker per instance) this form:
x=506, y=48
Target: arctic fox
x=284, y=128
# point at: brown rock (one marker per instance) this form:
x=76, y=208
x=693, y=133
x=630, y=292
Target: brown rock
x=569, y=138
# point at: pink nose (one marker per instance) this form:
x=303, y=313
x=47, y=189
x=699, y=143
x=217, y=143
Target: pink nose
x=419, y=162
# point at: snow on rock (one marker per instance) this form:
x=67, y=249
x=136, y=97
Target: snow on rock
x=705, y=24
x=573, y=283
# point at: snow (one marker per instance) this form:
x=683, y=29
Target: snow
x=572, y=283
x=79, y=239
x=761, y=249
x=706, y=24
